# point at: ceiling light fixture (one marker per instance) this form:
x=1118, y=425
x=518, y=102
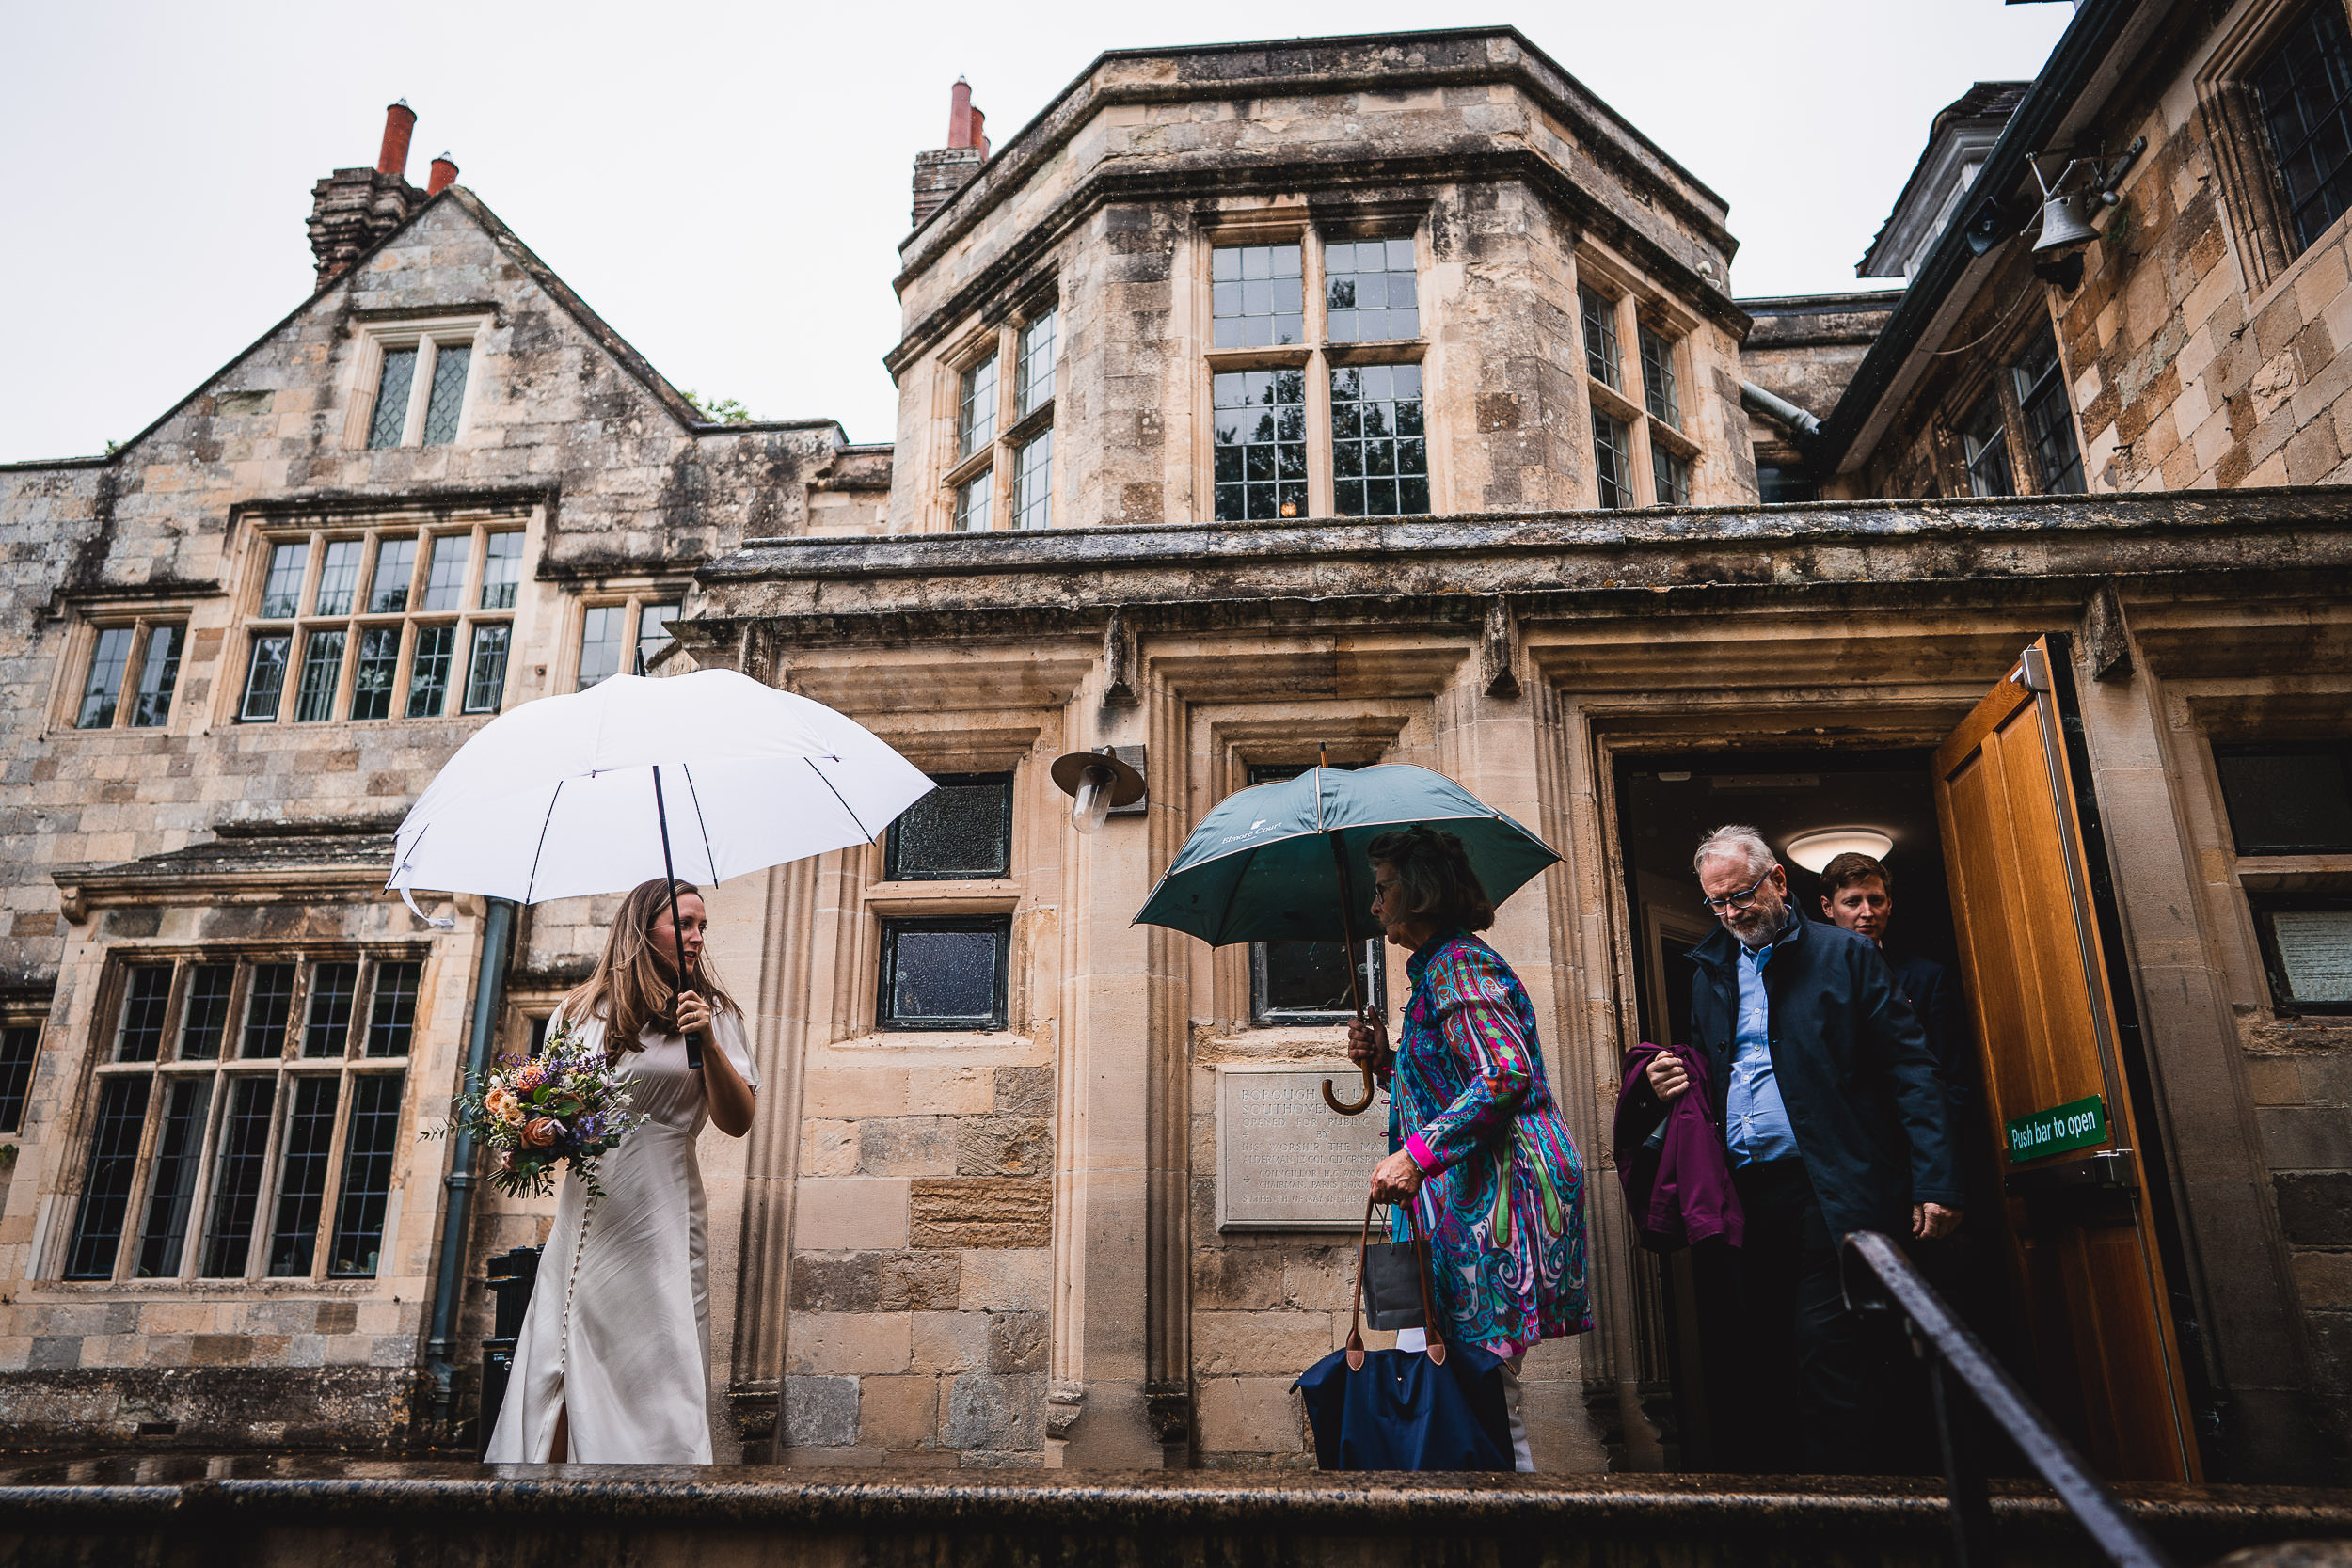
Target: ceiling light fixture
x=1815, y=850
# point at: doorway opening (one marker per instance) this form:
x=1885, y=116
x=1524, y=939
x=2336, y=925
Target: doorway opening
x=1666, y=803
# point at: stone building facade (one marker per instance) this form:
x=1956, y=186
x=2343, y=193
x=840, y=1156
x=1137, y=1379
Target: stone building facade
x=1379, y=399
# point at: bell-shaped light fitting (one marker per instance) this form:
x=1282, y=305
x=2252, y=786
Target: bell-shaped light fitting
x=1815, y=850
x=1091, y=807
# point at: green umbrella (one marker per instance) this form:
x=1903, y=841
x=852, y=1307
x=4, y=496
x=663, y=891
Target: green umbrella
x=1286, y=861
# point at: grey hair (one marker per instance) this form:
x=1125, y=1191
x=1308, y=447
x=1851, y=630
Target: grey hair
x=1735, y=841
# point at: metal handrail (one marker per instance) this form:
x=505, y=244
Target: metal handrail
x=1956, y=1358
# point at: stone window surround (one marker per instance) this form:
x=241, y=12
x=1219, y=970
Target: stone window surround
x=1315, y=354
x=869, y=898
x=72, y=670
x=427, y=335
x=51, y=1251
x=631, y=595
x=35, y=1016
x=1639, y=308
x=996, y=460
x=2252, y=195
x=229, y=688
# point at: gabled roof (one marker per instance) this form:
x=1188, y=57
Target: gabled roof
x=1982, y=110
x=673, y=401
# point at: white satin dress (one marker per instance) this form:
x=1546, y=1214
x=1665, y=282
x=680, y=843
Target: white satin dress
x=617, y=1336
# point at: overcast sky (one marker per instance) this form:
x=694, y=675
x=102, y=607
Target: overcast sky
x=727, y=185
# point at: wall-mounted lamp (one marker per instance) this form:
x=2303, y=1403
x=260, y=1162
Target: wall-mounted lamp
x=1099, y=782
x=1815, y=850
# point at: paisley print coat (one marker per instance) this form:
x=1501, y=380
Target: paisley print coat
x=1505, y=1207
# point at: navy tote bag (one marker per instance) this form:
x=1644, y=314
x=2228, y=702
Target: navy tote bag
x=1435, y=1409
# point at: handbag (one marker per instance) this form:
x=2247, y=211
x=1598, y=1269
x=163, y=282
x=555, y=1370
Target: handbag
x=1393, y=1277
x=1439, y=1408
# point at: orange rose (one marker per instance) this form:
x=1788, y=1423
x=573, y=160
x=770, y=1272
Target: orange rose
x=542, y=1132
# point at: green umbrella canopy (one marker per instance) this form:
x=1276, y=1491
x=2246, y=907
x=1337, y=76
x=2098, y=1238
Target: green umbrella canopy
x=1260, y=867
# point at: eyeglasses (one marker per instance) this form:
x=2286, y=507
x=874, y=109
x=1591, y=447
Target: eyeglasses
x=1380, y=888
x=1740, y=901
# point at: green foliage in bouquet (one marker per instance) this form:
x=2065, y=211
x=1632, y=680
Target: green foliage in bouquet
x=568, y=1103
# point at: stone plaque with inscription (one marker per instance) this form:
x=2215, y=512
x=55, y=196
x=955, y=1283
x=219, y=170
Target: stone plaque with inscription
x=1285, y=1161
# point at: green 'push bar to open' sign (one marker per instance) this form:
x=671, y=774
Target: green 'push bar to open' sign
x=2076, y=1124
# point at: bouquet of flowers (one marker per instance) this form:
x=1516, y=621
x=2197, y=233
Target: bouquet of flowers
x=568, y=1103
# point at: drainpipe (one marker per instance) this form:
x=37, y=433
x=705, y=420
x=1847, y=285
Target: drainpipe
x=1778, y=409
x=497, y=930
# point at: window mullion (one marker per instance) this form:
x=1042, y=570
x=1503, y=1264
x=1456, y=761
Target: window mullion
x=419, y=392
x=272, y=1157
x=331, y=1187
x=143, y=1172
x=1320, y=502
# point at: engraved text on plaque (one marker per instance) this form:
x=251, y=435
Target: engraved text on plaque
x=1286, y=1160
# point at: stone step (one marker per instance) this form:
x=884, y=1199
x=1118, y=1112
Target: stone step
x=299, y=1513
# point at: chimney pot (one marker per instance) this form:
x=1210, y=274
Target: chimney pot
x=444, y=175
x=400, y=121
x=979, y=140
x=960, y=114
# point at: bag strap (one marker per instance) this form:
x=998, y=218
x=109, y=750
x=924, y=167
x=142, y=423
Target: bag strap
x=1434, y=1345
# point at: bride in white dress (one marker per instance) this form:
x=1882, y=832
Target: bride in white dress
x=614, y=1366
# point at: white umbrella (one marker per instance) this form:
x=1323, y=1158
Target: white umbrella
x=705, y=775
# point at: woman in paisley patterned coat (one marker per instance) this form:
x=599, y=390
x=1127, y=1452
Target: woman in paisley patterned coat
x=1479, y=1148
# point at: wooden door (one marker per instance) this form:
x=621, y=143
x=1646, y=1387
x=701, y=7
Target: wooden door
x=2085, y=1268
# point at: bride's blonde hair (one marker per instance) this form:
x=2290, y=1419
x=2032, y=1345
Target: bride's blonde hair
x=630, y=985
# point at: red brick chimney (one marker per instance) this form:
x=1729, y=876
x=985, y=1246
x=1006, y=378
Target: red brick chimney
x=400, y=121
x=353, y=208
x=938, y=175
x=444, y=175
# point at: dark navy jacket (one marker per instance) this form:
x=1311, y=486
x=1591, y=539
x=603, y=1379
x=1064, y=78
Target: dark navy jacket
x=1928, y=987
x=1863, y=1090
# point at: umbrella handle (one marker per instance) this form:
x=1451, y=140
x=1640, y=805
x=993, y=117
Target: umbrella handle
x=1356, y=1110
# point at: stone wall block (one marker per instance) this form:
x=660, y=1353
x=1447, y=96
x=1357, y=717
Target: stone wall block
x=899, y=1412
x=906, y=1146
x=838, y=1342
x=1023, y=1091
x=1011, y=1146
x=1018, y=1342
x=918, y=1281
x=984, y=1211
x=985, y=1411
x=820, y=1411
x=1007, y=1281
x=835, y=1282
x=949, y=1342
x=2316, y=1210
x=1241, y=1278
x=1259, y=1343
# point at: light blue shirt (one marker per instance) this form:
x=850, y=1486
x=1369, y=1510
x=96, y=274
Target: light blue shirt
x=1755, y=1123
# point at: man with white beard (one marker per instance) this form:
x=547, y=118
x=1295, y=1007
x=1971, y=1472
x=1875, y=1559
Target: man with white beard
x=1834, y=1118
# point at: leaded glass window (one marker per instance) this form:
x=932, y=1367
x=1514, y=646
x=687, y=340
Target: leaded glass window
x=159, y=677
x=282, y=590
x=395, y=570
x=1602, y=357
x=448, y=399
x=107, y=663
x=1984, y=445
x=1034, y=385
x=389, y=422
x=1369, y=289
x=1257, y=295
x=485, y=672
x=322, y=670
x=168, y=1129
x=1658, y=391
x=1306, y=982
x=1613, y=461
x=1260, y=435
x=501, y=568
x=975, y=407
x=945, y=974
x=1033, y=483
x=377, y=673
x=600, y=642
x=445, y=577
x=1379, y=458
x=428, y=670
x=265, y=677
x=339, y=578
x=2049, y=415
x=19, y=1046
x=973, y=498
x=962, y=830
x=2303, y=89
x=653, y=631
x=1670, y=476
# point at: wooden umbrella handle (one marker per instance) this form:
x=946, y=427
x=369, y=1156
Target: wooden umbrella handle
x=1332, y=1100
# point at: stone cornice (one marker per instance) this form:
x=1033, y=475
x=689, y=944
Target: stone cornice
x=1605, y=562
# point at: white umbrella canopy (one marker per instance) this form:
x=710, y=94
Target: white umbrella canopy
x=558, y=799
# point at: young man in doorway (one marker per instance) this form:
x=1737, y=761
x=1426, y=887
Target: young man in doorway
x=1858, y=892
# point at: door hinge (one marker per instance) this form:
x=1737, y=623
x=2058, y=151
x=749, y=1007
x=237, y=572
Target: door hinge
x=2033, y=667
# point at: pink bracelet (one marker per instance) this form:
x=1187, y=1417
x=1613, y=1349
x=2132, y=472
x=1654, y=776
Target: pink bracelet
x=1419, y=1151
